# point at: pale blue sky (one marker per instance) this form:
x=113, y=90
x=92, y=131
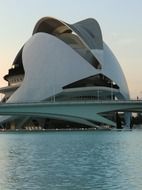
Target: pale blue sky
x=120, y=21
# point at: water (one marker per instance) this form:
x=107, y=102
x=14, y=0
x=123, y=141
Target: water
x=105, y=160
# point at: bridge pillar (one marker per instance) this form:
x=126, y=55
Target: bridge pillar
x=118, y=121
x=127, y=117
x=13, y=125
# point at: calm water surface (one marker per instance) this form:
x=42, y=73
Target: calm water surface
x=71, y=160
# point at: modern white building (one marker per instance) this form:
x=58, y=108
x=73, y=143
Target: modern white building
x=64, y=62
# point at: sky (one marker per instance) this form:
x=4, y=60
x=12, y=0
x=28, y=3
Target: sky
x=120, y=22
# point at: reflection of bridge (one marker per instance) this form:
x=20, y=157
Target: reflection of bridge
x=80, y=110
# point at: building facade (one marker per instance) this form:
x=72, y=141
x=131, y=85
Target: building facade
x=64, y=62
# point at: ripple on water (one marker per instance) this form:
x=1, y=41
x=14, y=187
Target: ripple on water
x=71, y=161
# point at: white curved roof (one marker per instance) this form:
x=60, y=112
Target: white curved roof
x=88, y=30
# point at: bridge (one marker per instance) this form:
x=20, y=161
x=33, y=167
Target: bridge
x=71, y=110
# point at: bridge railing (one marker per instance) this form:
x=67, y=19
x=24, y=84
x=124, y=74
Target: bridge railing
x=82, y=101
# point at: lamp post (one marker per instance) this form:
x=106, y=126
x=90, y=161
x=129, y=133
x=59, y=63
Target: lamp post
x=111, y=90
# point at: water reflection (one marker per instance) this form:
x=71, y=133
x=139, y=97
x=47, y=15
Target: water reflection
x=71, y=160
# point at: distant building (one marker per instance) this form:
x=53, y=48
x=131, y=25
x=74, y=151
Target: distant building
x=63, y=62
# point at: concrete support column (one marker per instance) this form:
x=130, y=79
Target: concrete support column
x=13, y=125
x=127, y=117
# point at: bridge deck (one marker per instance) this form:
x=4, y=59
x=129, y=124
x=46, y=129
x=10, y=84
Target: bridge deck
x=85, y=110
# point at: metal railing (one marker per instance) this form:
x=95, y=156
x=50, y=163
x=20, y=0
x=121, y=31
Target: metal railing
x=78, y=101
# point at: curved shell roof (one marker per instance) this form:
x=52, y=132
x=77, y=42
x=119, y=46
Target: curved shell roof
x=88, y=30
